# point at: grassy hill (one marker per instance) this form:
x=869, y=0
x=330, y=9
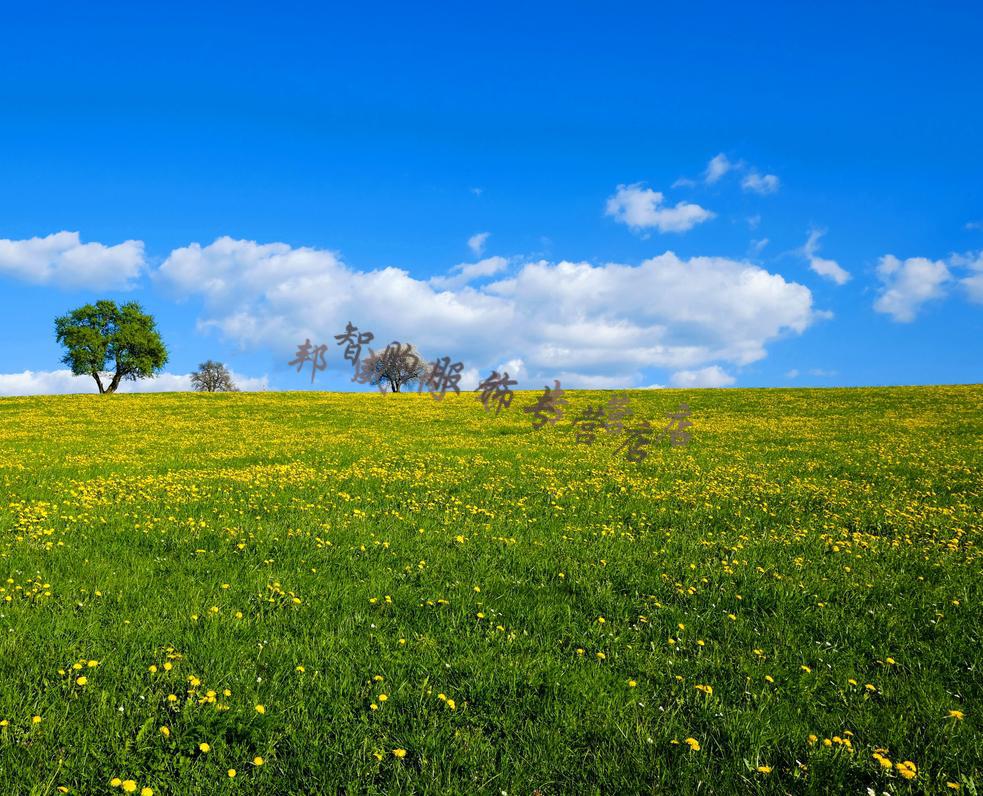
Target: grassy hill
x=427, y=598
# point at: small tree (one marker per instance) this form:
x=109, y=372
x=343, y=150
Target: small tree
x=397, y=365
x=103, y=335
x=213, y=376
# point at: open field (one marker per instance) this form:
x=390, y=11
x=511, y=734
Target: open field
x=426, y=598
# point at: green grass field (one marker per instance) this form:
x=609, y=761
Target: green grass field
x=425, y=598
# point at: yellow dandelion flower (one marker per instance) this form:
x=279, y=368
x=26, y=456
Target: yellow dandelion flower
x=806, y=669
x=764, y=769
x=261, y=709
x=399, y=753
x=129, y=786
x=632, y=683
x=205, y=747
x=81, y=680
x=147, y=791
x=258, y=761
x=165, y=731
x=231, y=772
x=958, y=715
x=36, y=720
x=115, y=782
x=907, y=769
x=694, y=744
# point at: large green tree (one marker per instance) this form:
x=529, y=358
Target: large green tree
x=120, y=340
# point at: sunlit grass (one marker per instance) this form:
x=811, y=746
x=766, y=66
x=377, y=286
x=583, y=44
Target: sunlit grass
x=423, y=597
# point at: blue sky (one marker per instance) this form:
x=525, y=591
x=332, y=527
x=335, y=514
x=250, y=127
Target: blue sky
x=688, y=195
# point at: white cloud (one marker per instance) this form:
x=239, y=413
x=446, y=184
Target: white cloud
x=718, y=167
x=654, y=387
x=62, y=260
x=477, y=243
x=641, y=208
x=477, y=191
x=468, y=272
x=757, y=246
x=597, y=324
x=514, y=367
x=683, y=182
x=972, y=284
x=760, y=183
x=792, y=374
x=712, y=376
x=907, y=284
x=753, y=222
x=830, y=269
x=57, y=382
x=974, y=224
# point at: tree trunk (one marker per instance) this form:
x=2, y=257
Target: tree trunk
x=95, y=375
x=115, y=382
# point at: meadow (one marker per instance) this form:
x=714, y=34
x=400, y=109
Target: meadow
x=306, y=593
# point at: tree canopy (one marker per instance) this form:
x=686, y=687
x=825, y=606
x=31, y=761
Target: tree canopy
x=393, y=367
x=213, y=376
x=103, y=337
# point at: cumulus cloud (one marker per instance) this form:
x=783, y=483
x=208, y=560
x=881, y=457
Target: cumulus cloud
x=908, y=284
x=972, y=284
x=463, y=273
x=62, y=260
x=477, y=243
x=718, y=166
x=596, y=324
x=57, y=382
x=712, y=376
x=974, y=224
x=830, y=269
x=760, y=183
x=642, y=208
